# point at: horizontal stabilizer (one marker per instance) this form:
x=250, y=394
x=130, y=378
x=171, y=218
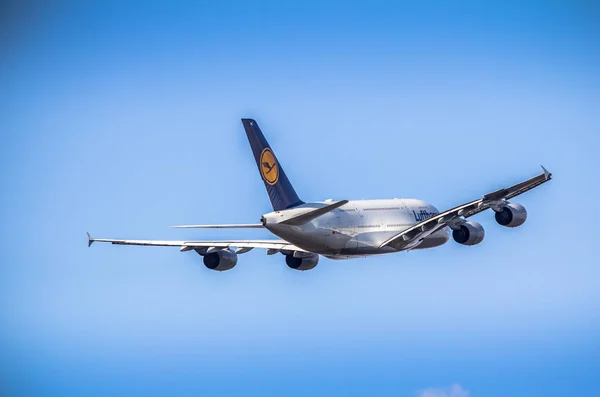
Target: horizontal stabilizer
x=234, y=226
x=309, y=216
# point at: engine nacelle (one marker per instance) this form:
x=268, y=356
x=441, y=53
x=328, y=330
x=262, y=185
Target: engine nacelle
x=511, y=215
x=469, y=233
x=220, y=260
x=302, y=263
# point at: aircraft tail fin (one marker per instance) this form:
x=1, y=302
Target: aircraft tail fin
x=278, y=186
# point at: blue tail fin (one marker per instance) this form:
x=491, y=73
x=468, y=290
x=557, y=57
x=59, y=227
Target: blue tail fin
x=280, y=190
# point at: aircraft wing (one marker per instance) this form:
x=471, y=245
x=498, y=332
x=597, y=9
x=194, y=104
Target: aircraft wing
x=241, y=245
x=413, y=236
x=232, y=226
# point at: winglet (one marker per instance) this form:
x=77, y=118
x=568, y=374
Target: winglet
x=90, y=240
x=547, y=174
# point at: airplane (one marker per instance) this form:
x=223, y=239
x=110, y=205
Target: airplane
x=345, y=229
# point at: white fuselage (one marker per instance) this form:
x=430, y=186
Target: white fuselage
x=357, y=228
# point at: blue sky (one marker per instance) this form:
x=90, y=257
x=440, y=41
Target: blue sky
x=123, y=119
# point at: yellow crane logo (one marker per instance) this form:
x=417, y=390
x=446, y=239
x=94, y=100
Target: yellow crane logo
x=269, y=169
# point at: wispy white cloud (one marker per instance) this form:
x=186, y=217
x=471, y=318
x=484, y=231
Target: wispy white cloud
x=455, y=390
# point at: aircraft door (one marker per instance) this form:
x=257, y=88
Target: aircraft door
x=355, y=219
x=334, y=232
x=407, y=215
x=350, y=239
x=345, y=235
x=360, y=221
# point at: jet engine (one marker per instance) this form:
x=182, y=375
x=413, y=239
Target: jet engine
x=469, y=233
x=302, y=263
x=220, y=260
x=511, y=215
